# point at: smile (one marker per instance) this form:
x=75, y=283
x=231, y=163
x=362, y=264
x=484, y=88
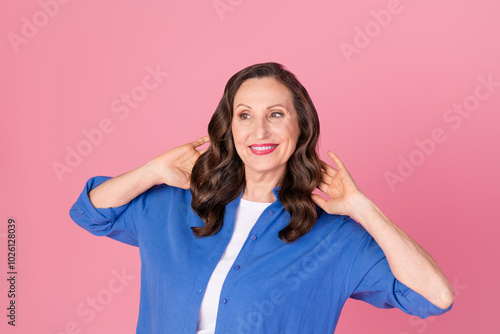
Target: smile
x=263, y=149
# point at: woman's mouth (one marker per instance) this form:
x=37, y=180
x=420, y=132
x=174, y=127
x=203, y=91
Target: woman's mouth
x=262, y=149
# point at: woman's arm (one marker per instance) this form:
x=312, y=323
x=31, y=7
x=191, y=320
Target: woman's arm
x=173, y=168
x=409, y=262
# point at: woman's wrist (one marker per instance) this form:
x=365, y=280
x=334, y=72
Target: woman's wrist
x=360, y=206
x=152, y=172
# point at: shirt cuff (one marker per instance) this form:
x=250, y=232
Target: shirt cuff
x=87, y=216
x=414, y=303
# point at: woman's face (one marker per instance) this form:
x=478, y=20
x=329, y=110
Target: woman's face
x=265, y=126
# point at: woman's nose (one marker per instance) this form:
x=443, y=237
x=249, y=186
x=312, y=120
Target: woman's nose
x=262, y=128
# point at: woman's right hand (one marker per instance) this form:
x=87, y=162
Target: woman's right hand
x=174, y=167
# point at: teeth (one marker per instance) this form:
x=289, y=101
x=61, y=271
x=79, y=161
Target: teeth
x=263, y=148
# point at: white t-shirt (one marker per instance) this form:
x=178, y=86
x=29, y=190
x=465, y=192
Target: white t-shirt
x=246, y=215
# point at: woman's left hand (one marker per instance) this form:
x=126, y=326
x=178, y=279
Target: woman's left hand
x=339, y=186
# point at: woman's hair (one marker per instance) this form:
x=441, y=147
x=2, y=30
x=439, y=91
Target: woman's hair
x=218, y=176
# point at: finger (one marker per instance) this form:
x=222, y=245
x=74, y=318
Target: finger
x=336, y=159
x=203, y=151
x=328, y=169
x=201, y=141
x=323, y=186
x=326, y=178
x=320, y=201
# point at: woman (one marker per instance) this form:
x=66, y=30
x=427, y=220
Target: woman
x=232, y=240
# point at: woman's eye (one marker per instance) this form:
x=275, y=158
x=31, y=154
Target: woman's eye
x=276, y=114
x=244, y=116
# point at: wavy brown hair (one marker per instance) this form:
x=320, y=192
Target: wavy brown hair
x=218, y=176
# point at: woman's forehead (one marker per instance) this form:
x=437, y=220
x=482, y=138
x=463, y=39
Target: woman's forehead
x=265, y=92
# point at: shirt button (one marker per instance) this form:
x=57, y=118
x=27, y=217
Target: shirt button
x=199, y=291
x=236, y=267
x=254, y=237
x=271, y=212
x=224, y=300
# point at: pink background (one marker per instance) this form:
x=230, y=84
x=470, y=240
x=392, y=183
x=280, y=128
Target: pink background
x=397, y=87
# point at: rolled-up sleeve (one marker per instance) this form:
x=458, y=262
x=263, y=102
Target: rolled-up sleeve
x=118, y=223
x=371, y=280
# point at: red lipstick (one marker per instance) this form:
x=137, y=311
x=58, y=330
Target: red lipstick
x=263, y=149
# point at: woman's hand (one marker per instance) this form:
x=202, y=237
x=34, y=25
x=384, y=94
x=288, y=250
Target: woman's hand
x=174, y=167
x=339, y=186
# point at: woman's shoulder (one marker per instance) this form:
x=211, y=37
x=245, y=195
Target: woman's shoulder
x=161, y=198
x=164, y=192
x=342, y=225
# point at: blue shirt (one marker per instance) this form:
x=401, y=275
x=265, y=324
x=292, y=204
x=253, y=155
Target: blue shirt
x=273, y=287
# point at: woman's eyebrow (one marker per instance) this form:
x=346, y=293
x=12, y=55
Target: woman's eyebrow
x=272, y=106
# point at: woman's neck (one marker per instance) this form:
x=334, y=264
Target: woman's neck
x=259, y=188
x=258, y=194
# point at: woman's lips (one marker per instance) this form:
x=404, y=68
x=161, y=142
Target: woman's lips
x=262, y=149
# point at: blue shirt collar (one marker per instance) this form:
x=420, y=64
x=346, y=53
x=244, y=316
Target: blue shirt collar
x=276, y=191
